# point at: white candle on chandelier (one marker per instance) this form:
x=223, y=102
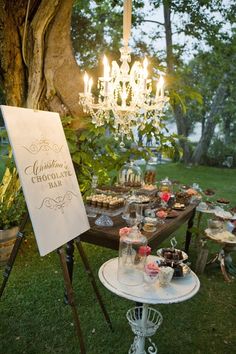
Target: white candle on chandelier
x=86, y=80
x=145, y=65
x=106, y=75
x=161, y=80
x=145, y=73
x=90, y=84
x=106, y=68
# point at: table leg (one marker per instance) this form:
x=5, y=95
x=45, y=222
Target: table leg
x=230, y=267
x=141, y=339
x=140, y=318
x=220, y=257
x=222, y=266
x=189, y=233
x=144, y=322
x=198, y=233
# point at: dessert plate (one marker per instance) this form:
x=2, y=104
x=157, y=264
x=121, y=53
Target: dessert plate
x=172, y=214
x=179, y=206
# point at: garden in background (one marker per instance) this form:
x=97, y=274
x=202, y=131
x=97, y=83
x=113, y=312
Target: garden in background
x=34, y=318
x=45, y=49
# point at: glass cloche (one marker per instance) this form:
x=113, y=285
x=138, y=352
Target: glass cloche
x=132, y=256
x=130, y=175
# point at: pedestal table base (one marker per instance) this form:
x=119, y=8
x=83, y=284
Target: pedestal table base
x=144, y=322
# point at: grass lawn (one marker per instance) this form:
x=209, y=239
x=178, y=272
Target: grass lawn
x=34, y=319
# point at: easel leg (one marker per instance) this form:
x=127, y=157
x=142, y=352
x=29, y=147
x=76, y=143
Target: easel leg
x=71, y=299
x=70, y=263
x=13, y=255
x=189, y=233
x=91, y=276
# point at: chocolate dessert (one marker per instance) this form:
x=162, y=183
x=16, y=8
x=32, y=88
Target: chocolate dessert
x=223, y=201
x=172, y=254
x=178, y=268
x=209, y=192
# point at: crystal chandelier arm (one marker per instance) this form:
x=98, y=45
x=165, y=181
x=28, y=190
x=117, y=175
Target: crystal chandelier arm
x=127, y=21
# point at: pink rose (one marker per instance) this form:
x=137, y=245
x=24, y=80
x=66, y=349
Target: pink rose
x=152, y=269
x=124, y=231
x=165, y=196
x=144, y=251
x=161, y=214
x=152, y=266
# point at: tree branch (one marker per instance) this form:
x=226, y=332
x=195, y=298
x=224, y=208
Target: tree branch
x=157, y=22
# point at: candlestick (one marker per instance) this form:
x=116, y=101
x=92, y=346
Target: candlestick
x=162, y=86
x=86, y=79
x=106, y=68
x=145, y=74
x=105, y=87
x=145, y=65
x=90, y=84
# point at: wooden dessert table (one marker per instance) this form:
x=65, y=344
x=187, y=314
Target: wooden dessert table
x=109, y=236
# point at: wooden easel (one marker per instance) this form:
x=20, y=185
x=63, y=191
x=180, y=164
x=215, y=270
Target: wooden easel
x=66, y=276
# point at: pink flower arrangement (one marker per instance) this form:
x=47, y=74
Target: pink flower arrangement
x=165, y=196
x=124, y=231
x=152, y=270
x=152, y=266
x=161, y=214
x=144, y=251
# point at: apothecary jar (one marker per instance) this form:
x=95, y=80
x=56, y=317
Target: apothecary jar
x=150, y=172
x=166, y=185
x=133, y=251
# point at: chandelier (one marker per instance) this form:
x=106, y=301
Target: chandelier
x=125, y=95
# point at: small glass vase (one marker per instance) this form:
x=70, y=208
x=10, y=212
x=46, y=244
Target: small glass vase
x=132, y=257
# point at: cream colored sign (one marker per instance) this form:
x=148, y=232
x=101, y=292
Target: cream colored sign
x=47, y=176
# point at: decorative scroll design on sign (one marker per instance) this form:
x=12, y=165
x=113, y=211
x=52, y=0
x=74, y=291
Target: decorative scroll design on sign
x=43, y=144
x=58, y=203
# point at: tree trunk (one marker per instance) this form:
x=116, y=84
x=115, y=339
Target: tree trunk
x=50, y=78
x=177, y=109
x=12, y=70
x=227, y=129
x=200, y=152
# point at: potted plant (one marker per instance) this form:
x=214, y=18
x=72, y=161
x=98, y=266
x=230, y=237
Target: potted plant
x=12, y=208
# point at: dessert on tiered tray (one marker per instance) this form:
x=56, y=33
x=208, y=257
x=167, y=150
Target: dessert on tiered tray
x=104, y=201
x=174, y=258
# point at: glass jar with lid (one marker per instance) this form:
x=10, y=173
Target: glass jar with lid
x=132, y=256
x=130, y=175
x=150, y=172
x=166, y=185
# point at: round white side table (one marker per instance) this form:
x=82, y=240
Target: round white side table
x=179, y=290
